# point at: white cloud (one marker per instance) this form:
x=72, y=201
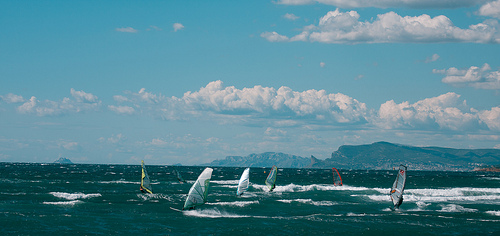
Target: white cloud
x=120, y=98
x=122, y=109
x=491, y=118
x=491, y=9
x=126, y=30
x=12, y=98
x=69, y=145
x=82, y=96
x=445, y=112
x=481, y=78
x=418, y=4
x=274, y=37
x=114, y=139
x=433, y=58
x=345, y=27
x=83, y=102
x=322, y=64
x=290, y=16
x=177, y=26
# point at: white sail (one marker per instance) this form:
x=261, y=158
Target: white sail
x=199, y=191
x=145, y=182
x=244, y=180
x=398, y=187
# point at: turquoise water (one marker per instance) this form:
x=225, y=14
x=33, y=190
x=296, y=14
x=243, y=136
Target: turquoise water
x=44, y=199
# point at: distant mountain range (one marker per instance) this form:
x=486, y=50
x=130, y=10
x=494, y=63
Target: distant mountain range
x=379, y=155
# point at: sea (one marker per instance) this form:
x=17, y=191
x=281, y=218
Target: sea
x=83, y=199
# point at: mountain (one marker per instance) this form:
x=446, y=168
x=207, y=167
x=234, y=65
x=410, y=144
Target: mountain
x=63, y=160
x=384, y=155
x=267, y=159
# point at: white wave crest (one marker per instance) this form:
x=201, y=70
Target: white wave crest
x=225, y=181
x=148, y=197
x=237, y=203
x=212, y=213
x=455, y=208
x=74, y=196
x=66, y=203
x=305, y=188
x=495, y=213
x=119, y=182
x=442, y=195
x=309, y=201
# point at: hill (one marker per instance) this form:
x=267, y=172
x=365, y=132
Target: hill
x=384, y=155
x=63, y=160
x=267, y=159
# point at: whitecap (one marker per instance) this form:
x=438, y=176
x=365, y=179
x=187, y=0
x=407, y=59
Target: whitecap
x=237, y=203
x=74, y=196
x=212, y=213
x=495, y=213
x=455, y=208
x=70, y=203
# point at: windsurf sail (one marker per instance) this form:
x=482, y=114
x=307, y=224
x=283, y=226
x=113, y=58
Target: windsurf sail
x=271, y=178
x=337, y=180
x=145, y=182
x=199, y=191
x=244, y=181
x=398, y=187
x=179, y=177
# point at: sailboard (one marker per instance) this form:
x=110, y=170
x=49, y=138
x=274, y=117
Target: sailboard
x=271, y=178
x=145, y=182
x=244, y=181
x=179, y=177
x=337, y=180
x=398, y=187
x=199, y=191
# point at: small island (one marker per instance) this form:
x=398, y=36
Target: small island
x=63, y=160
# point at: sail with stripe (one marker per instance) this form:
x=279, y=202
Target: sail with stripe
x=271, y=178
x=243, y=183
x=337, y=180
x=398, y=187
x=199, y=191
x=179, y=176
x=145, y=182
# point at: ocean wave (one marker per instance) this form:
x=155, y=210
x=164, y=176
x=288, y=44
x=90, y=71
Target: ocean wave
x=414, y=198
x=313, y=187
x=309, y=201
x=233, y=182
x=153, y=196
x=455, y=208
x=119, y=182
x=237, y=203
x=212, y=213
x=74, y=196
x=66, y=203
x=495, y=213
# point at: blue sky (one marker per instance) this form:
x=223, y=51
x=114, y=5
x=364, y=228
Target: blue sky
x=190, y=81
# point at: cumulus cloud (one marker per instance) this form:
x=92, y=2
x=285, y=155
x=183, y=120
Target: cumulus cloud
x=418, y=4
x=477, y=77
x=491, y=118
x=82, y=102
x=12, y=98
x=433, y=58
x=322, y=64
x=274, y=37
x=122, y=109
x=345, y=27
x=491, y=9
x=445, y=112
x=177, y=26
x=290, y=16
x=127, y=30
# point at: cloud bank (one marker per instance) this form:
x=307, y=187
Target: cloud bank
x=283, y=107
x=346, y=28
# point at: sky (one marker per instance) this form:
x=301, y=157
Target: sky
x=189, y=82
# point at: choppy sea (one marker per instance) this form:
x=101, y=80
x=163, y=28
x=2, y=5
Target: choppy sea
x=55, y=199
